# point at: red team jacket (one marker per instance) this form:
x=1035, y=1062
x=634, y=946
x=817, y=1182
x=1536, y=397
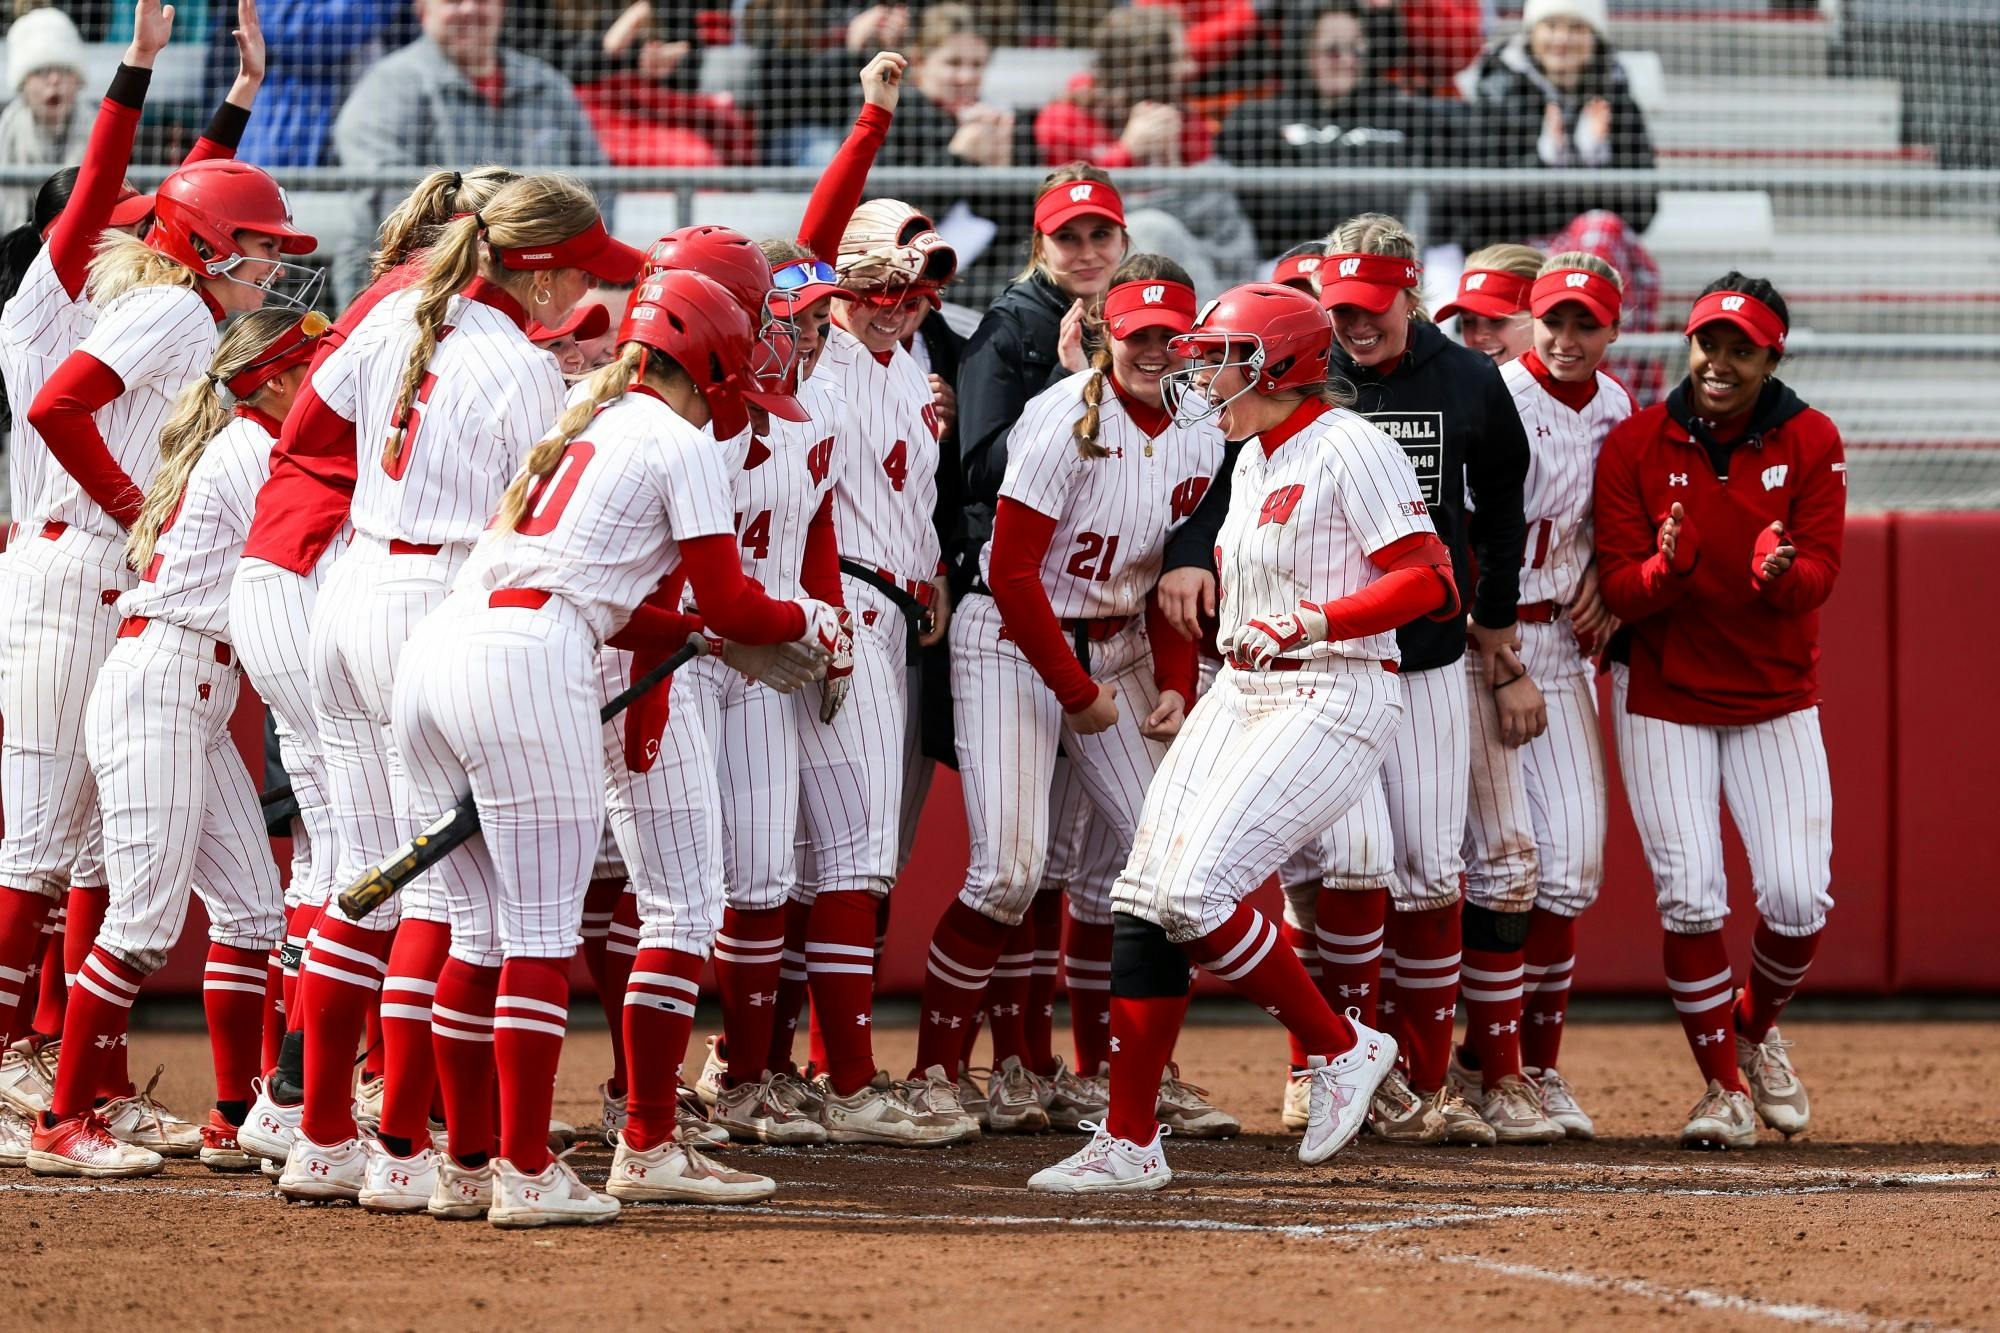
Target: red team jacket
x=1715, y=645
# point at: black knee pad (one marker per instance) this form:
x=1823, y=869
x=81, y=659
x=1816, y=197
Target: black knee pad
x=1145, y=964
x=1494, y=932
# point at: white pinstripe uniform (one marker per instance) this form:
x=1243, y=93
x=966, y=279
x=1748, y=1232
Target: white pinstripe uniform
x=853, y=788
x=179, y=807
x=60, y=621
x=1535, y=832
x=489, y=397
x=1268, y=759
x=1112, y=519
x=502, y=700
x=1085, y=851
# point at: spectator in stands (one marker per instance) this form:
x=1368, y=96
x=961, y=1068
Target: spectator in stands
x=44, y=126
x=454, y=97
x=1333, y=110
x=318, y=48
x=1554, y=97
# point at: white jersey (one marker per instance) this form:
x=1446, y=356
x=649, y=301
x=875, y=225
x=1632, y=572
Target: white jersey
x=604, y=529
x=1562, y=469
x=888, y=482
x=780, y=482
x=156, y=340
x=490, y=397
x=1303, y=520
x=187, y=581
x=1113, y=515
x=41, y=325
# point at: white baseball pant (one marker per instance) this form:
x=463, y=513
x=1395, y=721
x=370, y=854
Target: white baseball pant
x=1773, y=776
x=1086, y=851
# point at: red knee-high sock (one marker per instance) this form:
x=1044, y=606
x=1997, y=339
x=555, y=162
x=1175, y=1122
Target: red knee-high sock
x=409, y=1059
x=621, y=949
x=371, y=1051
x=816, y=1056
x=840, y=971
x=232, y=1000
x=1047, y=914
x=339, y=980
x=1778, y=966
x=1349, y=939
x=1306, y=950
x=1245, y=952
x=51, y=989
x=300, y=923
x=84, y=913
x=462, y=1045
x=1702, y=986
x=95, y=1025
x=881, y=935
x=1490, y=985
x=1007, y=993
x=659, y=1018
x=964, y=949
x=1087, y=975
x=274, y=1007
x=1143, y=1033
x=1427, y=958
x=600, y=904
x=791, y=985
x=530, y=1019
x=749, y=950
x=971, y=1042
x=1549, y=958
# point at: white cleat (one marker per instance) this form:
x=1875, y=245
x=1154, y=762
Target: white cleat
x=675, y=1173
x=1107, y=1165
x=329, y=1173
x=1014, y=1100
x=714, y=1076
x=1295, y=1109
x=17, y=1135
x=83, y=1145
x=555, y=1197
x=880, y=1111
x=28, y=1075
x=368, y=1106
x=1775, y=1089
x=270, y=1128
x=461, y=1193
x=1723, y=1118
x=1341, y=1090
x=1185, y=1109
x=1559, y=1100
x=615, y=1114
x=142, y=1122
x=393, y=1184
x=691, y=1122
x=752, y=1113
x=1075, y=1098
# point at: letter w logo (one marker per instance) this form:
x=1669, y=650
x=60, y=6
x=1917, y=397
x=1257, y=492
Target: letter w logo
x=1279, y=504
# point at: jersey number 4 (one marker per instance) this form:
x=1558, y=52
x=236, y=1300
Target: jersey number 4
x=757, y=535
x=1086, y=563
x=896, y=465
x=550, y=496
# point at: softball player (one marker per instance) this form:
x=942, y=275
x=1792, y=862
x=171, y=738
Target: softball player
x=1323, y=506
x=1535, y=834
x=625, y=490
x=1492, y=302
x=179, y=808
x=1719, y=518
x=219, y=229
x=443, y=376
x=1055, y=646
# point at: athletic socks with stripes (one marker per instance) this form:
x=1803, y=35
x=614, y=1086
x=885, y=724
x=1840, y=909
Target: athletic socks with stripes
x=1245, y=952
x=409, y=1060
x=749, y=952
x=530, y=1020
x=100, y=1012
x=965, y=949
x=232, y=999
x=1702, y=986
x=462, y=1044
x=659, y=1018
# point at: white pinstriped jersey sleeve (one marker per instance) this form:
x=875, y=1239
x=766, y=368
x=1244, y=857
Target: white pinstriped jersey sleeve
x=604, y=528
x=41, y=325
x=888, y=487
x=1303, y=521
x=1114, y=514
x=1562, y=469
x=187, y=581
x=156, y=339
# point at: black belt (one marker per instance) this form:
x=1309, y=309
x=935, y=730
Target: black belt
x=916, y=616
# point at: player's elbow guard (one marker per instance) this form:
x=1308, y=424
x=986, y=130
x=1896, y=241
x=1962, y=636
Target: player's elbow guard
x=1433, y=556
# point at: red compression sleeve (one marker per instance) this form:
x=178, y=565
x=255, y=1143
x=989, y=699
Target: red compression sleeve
x=838, y=193
x=734, y=605
x=1174, y=666
x=821, y=571
x=303, y=504
x=1021, y=538
x=1417, y=582
x=63, y=414
x=655, y=628
x=73, y=238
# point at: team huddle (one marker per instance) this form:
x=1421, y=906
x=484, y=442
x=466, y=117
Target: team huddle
x=1287, y=583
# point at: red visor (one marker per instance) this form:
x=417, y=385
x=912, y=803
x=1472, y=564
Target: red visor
x=1084, y=199
x=592, y=250
x=131, y=209
x=290, y=348
x=1745, y=312
x=1492, y=292
x=1131, y=306
x=1593, y=291
x=1299, y=271
x=584, y=323
x=1369, y=281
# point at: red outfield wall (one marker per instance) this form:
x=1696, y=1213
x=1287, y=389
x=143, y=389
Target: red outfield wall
x=1912, y=733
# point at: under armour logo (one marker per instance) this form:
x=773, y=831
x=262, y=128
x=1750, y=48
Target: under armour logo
x=1576, y=279
x=532, y=1196
x=1349, y=267
x=1475, y=281
x=1677, y=479
x=1540, y=1019
x=1114, y=1046
x=1542, y=432
x=1732, y=303
x=949, y=1021
x=1495, y=1029
x=399, y=1177
x=201, y=688
x=1151, y=295
x=1272, y=1010
x=1079, y=194
x=1774, y=477
x=861, y=1020
x=1445, y=1014
x=320, y=1169
x=1388, y=1007
x=757, y=1001
x=106, y=1042
x=1002, y=1011
x=633, y=1171
x=1710, y=1038
x=1346, y=991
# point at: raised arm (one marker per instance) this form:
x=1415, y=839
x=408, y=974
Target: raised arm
x=838, y=193
x=226, y=126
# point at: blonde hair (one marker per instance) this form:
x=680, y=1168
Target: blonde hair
x=941, y=23
x=1136, y=268
x=1523, y=261
x=778, y=252
x=534, y=210
x=201, y=410
x=1582, y=259
x=1069, y=173
x=126, y=263
x=1380, y=234
x=416, y=221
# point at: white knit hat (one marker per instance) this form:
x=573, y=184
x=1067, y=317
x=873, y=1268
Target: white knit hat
x=41, y=39
x=1584, y=11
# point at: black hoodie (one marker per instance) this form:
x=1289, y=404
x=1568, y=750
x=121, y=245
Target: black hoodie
x=1451, y=411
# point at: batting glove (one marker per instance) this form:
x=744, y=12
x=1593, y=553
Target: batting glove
x=784, y=667
x=839, y=670
x=1265, y=637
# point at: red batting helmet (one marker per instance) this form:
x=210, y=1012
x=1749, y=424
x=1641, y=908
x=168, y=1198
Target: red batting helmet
x=1278, y=335
x=200, y=208
x=736, y=264
x=693, y=319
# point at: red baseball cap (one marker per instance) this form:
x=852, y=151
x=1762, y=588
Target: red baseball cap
x=1492, y=292
x=1593, y=291
x=584, y=322
x=1298, y=271
x=1746, y=312
x=1149, y=304
x=593, y=250
x=1080, y=199
x=1369, y=281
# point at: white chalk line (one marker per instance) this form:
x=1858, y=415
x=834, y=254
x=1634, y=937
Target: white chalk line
x=1422, y=1222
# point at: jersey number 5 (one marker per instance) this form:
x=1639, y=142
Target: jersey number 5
x=550, y=496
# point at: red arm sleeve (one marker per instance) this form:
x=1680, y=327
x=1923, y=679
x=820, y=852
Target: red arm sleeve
x=655, y=627
x=74, y=236
x=821, y=574
x=1021, y=537
x=63, y=413
x=736, y=607
x=1817, y=532
x=1065, y=132
x=1633, y=577
x=838, y=193
x=1173, y=657
x=1416, y=583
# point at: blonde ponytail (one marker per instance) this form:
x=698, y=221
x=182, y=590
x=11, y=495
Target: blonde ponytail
x=1086, y=428
x=1142, y=267
x=125, y=263
x=417, y=221
x=605, y=386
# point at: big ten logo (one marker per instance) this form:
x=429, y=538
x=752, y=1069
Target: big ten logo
x=1279, y=504
x=1187, y=495
x=819, y=461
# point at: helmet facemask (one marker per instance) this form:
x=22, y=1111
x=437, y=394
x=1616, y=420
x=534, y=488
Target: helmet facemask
x=1186, y=391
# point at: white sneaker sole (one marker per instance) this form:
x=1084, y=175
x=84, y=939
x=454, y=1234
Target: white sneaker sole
x=690, y=1192
x=885, y=1139
x=1133, y=1185
x=1581, y=1130
x=54, y=1164
x=1703, y=1141
x=456, y=1212
x=318, y=1191
x=393, y=1201
x=785, y=1134
x=1035, y=1121
x=269, y=1146
x=229, y=1160
x=520, y=1219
